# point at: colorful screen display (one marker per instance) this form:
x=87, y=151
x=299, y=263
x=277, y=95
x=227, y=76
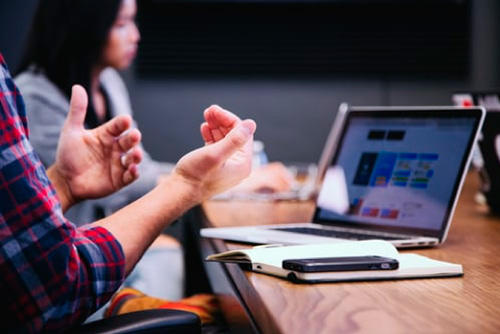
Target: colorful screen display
x=399, y=171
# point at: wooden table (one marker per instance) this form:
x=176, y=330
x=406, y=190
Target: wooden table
x=255, y=302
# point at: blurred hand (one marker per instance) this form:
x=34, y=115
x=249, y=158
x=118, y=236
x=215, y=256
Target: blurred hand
x=98, y=162
x=226, y=157
x=270, y=178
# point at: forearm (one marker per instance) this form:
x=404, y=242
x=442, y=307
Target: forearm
x=138, y=224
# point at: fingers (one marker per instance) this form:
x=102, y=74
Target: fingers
x=234, y=140
x=218, y=133
x=217, y=116
x=129, y=140
x=130, y=175
x=219, y=122
x=116, y=126
x=206, y=134
x=78, y=106
x=134, y=157
x=130, y=162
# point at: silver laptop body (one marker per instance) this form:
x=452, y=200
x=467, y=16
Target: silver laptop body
x=392, y=173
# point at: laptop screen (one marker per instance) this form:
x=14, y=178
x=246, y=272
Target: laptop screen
x=402, y=169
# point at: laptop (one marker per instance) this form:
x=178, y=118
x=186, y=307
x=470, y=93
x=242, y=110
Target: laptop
x=393, y=173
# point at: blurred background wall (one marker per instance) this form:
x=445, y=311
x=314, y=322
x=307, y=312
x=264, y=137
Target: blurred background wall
x=289, y=63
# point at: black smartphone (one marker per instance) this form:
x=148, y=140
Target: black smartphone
x=348, y=263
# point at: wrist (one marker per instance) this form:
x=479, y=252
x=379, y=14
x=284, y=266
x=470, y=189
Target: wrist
x=62, y=188
x=188, y=189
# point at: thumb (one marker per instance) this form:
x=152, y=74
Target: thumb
x=78, y=106
x=234, y=140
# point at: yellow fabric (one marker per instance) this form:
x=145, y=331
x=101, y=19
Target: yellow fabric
x=130, y=300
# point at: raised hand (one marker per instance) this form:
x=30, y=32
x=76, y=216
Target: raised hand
x=218, y=123
x=226, y=158
x=94, y=163
x=273, y=177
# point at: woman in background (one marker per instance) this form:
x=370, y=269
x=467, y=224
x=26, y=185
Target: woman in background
x=85, y=42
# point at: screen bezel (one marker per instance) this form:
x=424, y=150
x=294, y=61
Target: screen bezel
x=475, y=113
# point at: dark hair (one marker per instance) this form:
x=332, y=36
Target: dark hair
x=67, y=39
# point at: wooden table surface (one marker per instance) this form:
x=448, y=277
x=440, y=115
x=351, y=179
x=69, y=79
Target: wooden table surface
x=469, y=304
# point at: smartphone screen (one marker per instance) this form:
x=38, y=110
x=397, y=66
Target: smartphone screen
x=349, y=263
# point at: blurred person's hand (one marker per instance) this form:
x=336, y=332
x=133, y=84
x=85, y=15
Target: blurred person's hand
x=94, y=163
x=269, y=178
x=226, y=157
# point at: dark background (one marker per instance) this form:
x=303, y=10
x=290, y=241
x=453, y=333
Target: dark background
x=288, y=64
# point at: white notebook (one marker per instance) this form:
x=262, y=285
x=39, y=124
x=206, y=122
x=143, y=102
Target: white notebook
x=268, y=259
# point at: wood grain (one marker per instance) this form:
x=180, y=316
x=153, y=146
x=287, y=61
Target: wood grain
x=470, y=304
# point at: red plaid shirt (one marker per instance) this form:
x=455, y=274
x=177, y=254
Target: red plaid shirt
x=52, y=274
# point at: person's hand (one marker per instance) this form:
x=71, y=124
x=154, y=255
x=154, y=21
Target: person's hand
x=270, y=178
x=273, y=177
x=226, y=157
x=94, y=163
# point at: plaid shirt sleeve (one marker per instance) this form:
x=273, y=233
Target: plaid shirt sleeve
x=52, y=274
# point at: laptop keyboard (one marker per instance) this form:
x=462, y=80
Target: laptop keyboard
x=336, y=234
